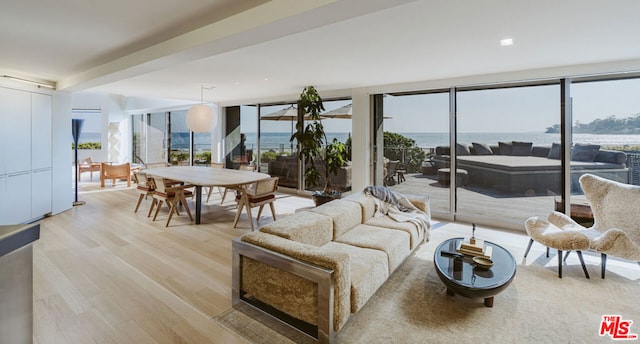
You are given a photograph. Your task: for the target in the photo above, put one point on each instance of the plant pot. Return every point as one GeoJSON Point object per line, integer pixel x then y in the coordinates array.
{"type": "Point", "coordinates": [321, 198]}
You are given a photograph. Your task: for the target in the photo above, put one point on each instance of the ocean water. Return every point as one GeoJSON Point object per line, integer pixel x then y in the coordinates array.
{"type": "Point", "coordinates": [280, 141]}
{"type": "Point", "coordinates": [431, 140]}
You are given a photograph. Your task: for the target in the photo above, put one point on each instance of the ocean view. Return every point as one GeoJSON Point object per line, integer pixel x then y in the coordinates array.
{"type": "Point", "coordinates": [280, 141]}
{"type": "Point", "coordinates": [431, 140]}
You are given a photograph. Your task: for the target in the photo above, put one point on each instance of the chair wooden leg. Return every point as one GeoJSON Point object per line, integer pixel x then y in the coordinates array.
{"type": "Point", "coordinates": [157, 209]}
{"type": "Point", "coordinates": [238, 211]}
{"type": "Point", "coordinates": [566, 255]}
{"type": "Point", "coordinates": [604, 264]}
{"type": "Point", "coordinates": [559, 263]}
{"type": "Point", "coordinates": [174, 208]}
{"type": "Point", "coordinates": [584, 267]}
{"type": "Point", "coordinates": [259, 212]}
{"type": "Point", "coordinates": [273, 213]}
{"type": "Point", "coordinates": [248, 206]}
{"type": "Point", "coordinates": [525, 252]}
{"type": "Point", "coordinates": [224, 195]}
{"type": "Point", "coordinates": [153, 204]}
{"type": "Point", "coordinates": [186, 206]}
{"type": "Point", "coordinates": [139, 201]}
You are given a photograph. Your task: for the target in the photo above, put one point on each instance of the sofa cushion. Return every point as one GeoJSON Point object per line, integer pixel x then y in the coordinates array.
{"type": "Point", "coordinates": [555, 152]}
{"type": "Point", "coordinates": [505, 148]}
{"type": "Point", "coordinates": [416, 235]}
{"type": "Point", "coordinates": [540, 151]}
{"type": "Point", "coordinates": [443, 150]}
{"type": "Point", "coordinates": [312, 228]}
{"type": "Point", "coordinates": [395, 243]}
{"type": "Point", "coordinates": [481, 149]}
{"type": "Point", "coordinates": [611, 156]}
{"type": "Point", "coordinates": [584, 152]}
{"type": "Point", "coordinates": [462, 149]}
{"type": "Point", "coordinates": [345, 215]}
{"type": "Point", "coordinates": [367, 203]}
{"type": "Point", "coordinates": [369, 270]}
{"type": "Point", "coordinates": [521, 148]}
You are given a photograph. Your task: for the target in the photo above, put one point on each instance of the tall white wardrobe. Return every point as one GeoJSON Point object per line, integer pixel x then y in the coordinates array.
{"type": "Point", "coordinates": [25, 155]}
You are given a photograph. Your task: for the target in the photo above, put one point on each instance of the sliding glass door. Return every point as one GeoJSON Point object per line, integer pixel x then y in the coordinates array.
{"type": "Point", "coordinates": [414, 125]}
{"type": "Point", "coordinates": [605, 133]}
{"type": "Point", "coordinates": [506, 168]}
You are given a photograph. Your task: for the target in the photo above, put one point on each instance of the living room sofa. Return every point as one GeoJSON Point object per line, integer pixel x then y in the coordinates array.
{"type": "Point", "coordinates": [520, 167]}
{"type": "Point", "coordinates": [314, 268]}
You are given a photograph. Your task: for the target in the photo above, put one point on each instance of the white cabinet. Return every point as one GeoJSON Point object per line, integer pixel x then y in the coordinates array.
{"type": "Point", "coordinates": [25, 155]}
{"type": "Point", "coordinates": [18, 206]}
{"type": "Point", "coordinates": [15, 108]}
{"type": "Point", "coordinates": [40, 193]}
{"type": "Point", "coordinates": [40, 131]}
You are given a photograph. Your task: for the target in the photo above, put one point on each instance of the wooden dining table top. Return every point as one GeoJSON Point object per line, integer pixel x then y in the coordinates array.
{"type": "Point", "coordinates": [207, 176]}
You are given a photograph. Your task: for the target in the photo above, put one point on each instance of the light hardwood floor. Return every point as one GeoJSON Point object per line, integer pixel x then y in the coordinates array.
{"type": "Point", "coordinates": [104, 274]}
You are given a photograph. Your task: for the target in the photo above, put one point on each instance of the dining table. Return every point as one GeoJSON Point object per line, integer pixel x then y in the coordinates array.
{"type": "Point", "coordinates": [200, 176]}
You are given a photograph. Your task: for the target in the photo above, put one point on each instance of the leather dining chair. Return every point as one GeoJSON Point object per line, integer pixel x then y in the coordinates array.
{"type": "Point", "coordinates": [145, 188]}
{"type": "Point", "coordinates": [173, 195]}
{"type": "Point", "coordinates": [257, 194]}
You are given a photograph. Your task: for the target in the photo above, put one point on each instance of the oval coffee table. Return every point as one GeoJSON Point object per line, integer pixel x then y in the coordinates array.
{"type": "Point", "coordinates": [461, 276]}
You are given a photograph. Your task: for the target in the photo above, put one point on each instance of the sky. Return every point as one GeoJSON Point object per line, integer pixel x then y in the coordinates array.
{"type": "Point", "coordinates": [523, 109]}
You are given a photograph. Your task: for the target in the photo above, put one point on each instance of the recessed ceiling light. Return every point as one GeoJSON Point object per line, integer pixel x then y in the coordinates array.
{"type": "Point", "coordinates": [506, 42]}
{"type": "Point", "coordinates": [266, 79]}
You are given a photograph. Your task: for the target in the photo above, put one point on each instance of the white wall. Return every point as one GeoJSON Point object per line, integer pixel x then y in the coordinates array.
{"type": "Point", "coordinates": [62, 154]}
{"type": "Point", "coordinates": [361, 162]}
{"type": "Point", "coordinates": [112, 110]}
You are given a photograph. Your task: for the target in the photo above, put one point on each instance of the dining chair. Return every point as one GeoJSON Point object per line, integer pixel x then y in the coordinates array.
{"type": "Point", "coordinates": [216, 165]}
{"type": "Point", "coordinates": [256, 194]}
{"type": "Point", "coordinates": [144, 187]}
{"type": "Point", "coordinates": [113, 172]}
{"type": "Point", "coordinates": [171, 194]}
{"type": "Point", "coordinates": [87, 165]}
{"type": "Point", "coordinates": [243, 167]}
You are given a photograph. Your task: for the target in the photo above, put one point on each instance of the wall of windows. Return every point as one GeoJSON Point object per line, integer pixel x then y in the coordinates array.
{"type": "Point", "coordinates": [277, 153]}
{"type": "Point", "coordinates": [605, 128]}
{"type": "Point", "coordinates": [502, 152]}
{"type": "Point", "coordinates": [91, 135]}
{"type": "Point", "coordinates": [414, 125]}
{"type": "Point", "coordinates": [507, 162]}
{"type": "Point", "coordinates": [149, 144]}
{"type": "Point", "coordinates": [163, 137]}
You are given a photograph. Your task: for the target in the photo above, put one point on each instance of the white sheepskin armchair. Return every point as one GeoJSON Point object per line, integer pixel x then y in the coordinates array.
{"type": "Point", "coordinates": [616, 210]}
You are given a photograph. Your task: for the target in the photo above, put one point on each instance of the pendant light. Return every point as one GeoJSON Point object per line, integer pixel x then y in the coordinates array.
{"type": "Point", "coordinates": [201, 118]}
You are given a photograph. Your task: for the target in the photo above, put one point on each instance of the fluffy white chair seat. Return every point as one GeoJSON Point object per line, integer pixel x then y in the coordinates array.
{"type": "Point", "coordinates": [616, 229]}
{"type": "Point", "coordinates": [565, 237]}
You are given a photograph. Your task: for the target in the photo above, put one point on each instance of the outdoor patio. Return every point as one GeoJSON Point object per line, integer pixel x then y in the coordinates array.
{"type": "Point", "coordinates": [479, 202]}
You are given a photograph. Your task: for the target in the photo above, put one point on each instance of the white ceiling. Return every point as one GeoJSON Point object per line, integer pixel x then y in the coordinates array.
{"type": "Point", "coordinates": [266, 49]}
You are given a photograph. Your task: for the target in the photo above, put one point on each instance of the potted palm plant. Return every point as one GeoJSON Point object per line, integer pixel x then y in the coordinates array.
{"type": "Point", "coordinates": [315, 149]}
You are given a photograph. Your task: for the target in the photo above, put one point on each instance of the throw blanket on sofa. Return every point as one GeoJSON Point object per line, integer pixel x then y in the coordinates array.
{"type": "Point", "coordinates": [398, 207]}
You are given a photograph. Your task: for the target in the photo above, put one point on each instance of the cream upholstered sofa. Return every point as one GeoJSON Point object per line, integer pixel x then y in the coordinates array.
{"type": "Point", "coordinates": [314, 268]}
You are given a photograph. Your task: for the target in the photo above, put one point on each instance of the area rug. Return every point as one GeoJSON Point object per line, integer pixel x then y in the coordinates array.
{"type": "Point", "coordinates": [413, 307]}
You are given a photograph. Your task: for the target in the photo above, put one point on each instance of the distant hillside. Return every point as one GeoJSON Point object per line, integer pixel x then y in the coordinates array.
{"type": "Point", "coordinates": [610, 125]}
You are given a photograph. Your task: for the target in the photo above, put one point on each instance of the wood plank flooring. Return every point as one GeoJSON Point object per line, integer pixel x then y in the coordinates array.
{"type": "Point", "coordinates": [104, 274]}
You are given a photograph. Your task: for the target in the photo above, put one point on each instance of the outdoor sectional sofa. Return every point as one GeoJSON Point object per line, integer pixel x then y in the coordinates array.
{"type": "Point", "coordinates": [314, 268]}
{"type": "Point", "coordinates": [286, 169]}
{"type": "Point", "coordinates": [522, 168]}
